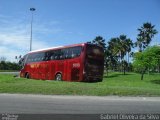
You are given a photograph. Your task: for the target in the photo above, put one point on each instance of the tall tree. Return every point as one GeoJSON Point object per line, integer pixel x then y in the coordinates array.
{"type": "Point", "coordinates": [123, 45]}
{"type": "Point", "coordinates": [119, 47]}
{"type": "Point", "coordinates": [129, 46]}
{"type": "Point", "coordinates": [146, 33]}
{"type": "Point", "coordinates": [113, 53]}
{"type": "Point", "coordinates": [99, 41]}
{"type": "Point", "coordinates": [123, 48]}
{"type": "Point", "coordinates": [146, 60]}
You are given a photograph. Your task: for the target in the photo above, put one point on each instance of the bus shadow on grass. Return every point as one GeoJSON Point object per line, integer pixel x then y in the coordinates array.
{"type": "Point", "coordinates": [156, 81]}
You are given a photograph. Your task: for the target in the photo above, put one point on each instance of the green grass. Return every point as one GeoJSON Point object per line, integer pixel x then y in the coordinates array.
{"type": "Point", "coordinates": [114, 84]}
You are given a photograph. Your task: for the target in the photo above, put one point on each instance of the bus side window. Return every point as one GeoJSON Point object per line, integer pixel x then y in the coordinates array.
{"type": "Point", "coordinates": [34, 57]}
{"type": "Point", "coordinates": [66, 53]}
{"type": "Point", "coordinates": [39, 56]}
{"type": "Point", "coordinates": [51, 55]}
{"type": "Point", "coordinates": [77, 51]}
{"type": "Point", "coordinates": [46, 56]}
{"type": "Point", "coordinates": [29, 59]}
{"type": "Point", "coordinates": [62, 54]}
{"type": "Point", "coordinates": [56, 56]}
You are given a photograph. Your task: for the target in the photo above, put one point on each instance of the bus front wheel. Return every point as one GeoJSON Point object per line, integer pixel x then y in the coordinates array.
{"type": "Point", "coordinates": [58, 77]}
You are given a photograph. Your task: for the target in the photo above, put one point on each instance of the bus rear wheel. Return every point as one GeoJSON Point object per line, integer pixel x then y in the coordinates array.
{"type": "Point", "coordinates": [27, 76]}
{"type": "Point", "coordinates": [58, 77]}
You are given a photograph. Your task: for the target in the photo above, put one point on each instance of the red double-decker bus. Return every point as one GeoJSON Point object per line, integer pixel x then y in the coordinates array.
{"type": "Point", "coordinates": [80, 62]}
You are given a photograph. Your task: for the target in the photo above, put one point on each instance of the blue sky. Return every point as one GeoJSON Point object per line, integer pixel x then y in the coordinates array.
{"type": "Point", "coordinates": [64, 22]}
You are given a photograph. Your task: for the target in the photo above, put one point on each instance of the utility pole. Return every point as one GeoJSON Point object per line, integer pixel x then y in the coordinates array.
{"type": "Point", "coordinates": [32, 10]}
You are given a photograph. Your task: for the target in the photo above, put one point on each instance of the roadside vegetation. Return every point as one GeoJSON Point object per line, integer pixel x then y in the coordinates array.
{"type": "Point", "coordinates": [113, 84]}
{"type": "Point", "coordinates": [120, 52]}
{"type": "Point", "coordinates": [6, 66]}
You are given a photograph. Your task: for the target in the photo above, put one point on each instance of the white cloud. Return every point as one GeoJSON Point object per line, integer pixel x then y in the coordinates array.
{"type": "Point", "coordinates": [8, 53]}
{"type": "Point", "coordinates": [15, 37]}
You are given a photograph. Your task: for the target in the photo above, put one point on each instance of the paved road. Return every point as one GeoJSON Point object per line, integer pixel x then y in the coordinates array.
{"type": "Point", "coordinates": [13, 73]}
{"type": "Point", "coordinates": [17, 103]}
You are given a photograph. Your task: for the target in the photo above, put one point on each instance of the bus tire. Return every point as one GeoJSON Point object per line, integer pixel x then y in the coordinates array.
{"type": "Point", "coordinates": [58, 77]}
{"type": "Point", "coordinates": [27, 76]}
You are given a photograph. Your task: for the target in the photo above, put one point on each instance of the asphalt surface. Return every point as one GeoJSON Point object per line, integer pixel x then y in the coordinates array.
{"type": "Point", "coordinates": [48, 104]}
{"type": "Point", "coordinates": [13, 73]}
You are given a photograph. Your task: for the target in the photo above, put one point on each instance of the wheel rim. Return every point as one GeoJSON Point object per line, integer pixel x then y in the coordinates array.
{"type": "Point", "coordinates": [58, 77]}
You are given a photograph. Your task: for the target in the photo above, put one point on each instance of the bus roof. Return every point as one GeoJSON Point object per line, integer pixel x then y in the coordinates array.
{"type": "Point", "coordinates": [45, 49]}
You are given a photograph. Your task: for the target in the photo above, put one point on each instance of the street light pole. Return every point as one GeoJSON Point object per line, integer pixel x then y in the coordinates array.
{"type": "Point", "coordinates": [31, 9]}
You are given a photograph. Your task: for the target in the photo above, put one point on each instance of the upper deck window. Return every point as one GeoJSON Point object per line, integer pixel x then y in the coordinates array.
{"type": "Point", "coordinates": [60, 54]}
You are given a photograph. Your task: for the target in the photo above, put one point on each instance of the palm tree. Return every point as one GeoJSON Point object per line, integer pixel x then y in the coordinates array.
{"type": "Point", "coordinates": [113, 52]}
{"type": "Point", "coordinates": [129, 45]}
{"type": "Point", "coordinates": [123, 45]}
{"type": "Point", "coordinates": [123, 48]}
{"type": "Point", "coordinates": [112, 46]}
{"type": "Point", "coordinates": [120, 47]}
{"type": "Point", "coordinates": [99, 41]}
{"type": "Point", "coordinates": [146, 33]}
